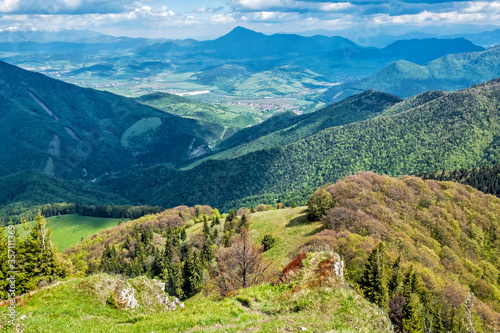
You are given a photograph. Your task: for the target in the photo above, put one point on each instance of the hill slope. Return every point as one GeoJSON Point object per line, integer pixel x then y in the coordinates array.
{"type": "Point", "coordinates": [73, 132]}
{"type": "Point", "coordinates": [447, 232]}
{"type": "Point", "coordinates": [404, 79]}
{"type": "Point", "coordinates": [435, 132]}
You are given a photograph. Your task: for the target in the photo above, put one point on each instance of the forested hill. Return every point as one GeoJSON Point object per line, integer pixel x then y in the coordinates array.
{"type": "Point", "coordinates": [438, 132]}
{"type": "Point", "coordinates": [287, 129]}
{"type": "Point", "coordinates": [403, 78]}
{"type": "Point", "coordinates": [73, 132]}
{"type": "Point", "coordinates": [485, 179]}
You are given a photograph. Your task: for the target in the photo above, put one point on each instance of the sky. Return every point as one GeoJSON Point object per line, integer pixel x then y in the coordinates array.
{"type": "Point", "coordinates": [208, 19]}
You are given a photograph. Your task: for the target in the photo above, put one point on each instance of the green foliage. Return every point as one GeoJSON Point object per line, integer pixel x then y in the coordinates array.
{"type": "Point", "coordinates": [374, 280]}
{"type": "Point", "coordinates": [268, 242]}
{"type": "Point", "coordinates": [406, 142]}
{"type": "Point", "coordinates": [319, 203]}
{"type": "Point", "coordinates": [405, 213]}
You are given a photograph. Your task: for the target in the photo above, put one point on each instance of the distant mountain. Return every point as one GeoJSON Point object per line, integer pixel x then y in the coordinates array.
{"type": "Point", "coordinates": [326, 55]}
{"type": "Point", "coordinates": [404, 79]}
{"type": "Point", "coordinates": [72, 132]}
{"type": "Point", "coordinates": [436, 132]}
{"type": "Point", "coordinates": [411, 50]}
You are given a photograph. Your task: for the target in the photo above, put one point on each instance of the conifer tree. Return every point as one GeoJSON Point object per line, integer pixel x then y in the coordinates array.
{"type": "Point", "coordinates": [411, 321]}
{"type": "Point", "coordinates": [206, 229]}
{"type": "Point", "coordinates": [374, 280]}
{"type": "Point", "coordinates": [215, 235]}
{"type": "Point", "coordinates": [231, 215]}
{"type": "Point", "coordinates": [207, 253]}
{"type": "Point", "coordinates": [4, 265]}
{"type": "Point", "coordinates": [243, 223]}
{"type": "Point", "coordinates": [177, 281]}
{"type": "Point", "coordinates": [396, 277]}
{"type": "Point", "coordinates": [183, 234]}
{"type": "Point", "coordinates": [192, 275]}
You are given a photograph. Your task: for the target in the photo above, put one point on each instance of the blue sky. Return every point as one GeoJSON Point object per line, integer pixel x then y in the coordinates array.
{"type": "Point", "coordinates": [208, 19]}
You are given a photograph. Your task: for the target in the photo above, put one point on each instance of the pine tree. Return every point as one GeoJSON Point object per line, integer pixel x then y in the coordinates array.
{"type": "Point", "coordinates": [437, 321]}
{"type": "Point", "coordinates": [41, 260]}
{"type": "Point", "coordinates": [215, 235]}
{"type": "Point", "coordinates": [207, 253]}
{"type": "Point", "coordinates": [4, 265]}
{"type": "Point", "coordinates": [206, 229]}
{"type": "Point", "coordinates": [244, 223]}
{"type": "Point", "coordinates": [109, 260]}
{"type": "Point", "coordinates": [231, 215]}
{"type": "Point", "coordinates": [177, 281]}
{"type": "Point", "coordinates": [183, 234]}
{"type": "Point", "coordinates": [396, 277]}
{"type": "Point", "coordinates": [411, 321]}
{"type": "Point", "coordinates": [192, 275]}
{"type": "Point", "coordinates": [374, 281]}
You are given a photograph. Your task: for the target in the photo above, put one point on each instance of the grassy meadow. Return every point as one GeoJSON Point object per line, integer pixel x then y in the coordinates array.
{"type": "Point", "coordinates": [67, 230]}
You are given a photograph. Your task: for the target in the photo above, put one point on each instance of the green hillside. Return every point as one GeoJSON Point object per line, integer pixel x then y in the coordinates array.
{"type": "Point", "coordinates": [403, 78]}
{"type": "Point", "coordinates": [79, 305]}
{"type": "Point", "coordinates": [68, 230]}
{"type": "Point", "coordinates": [446, 232]}
{"type": "Point", "coordinates": [448, 131]}
{"type": "Point", "coordinates": [208, 113]}
{"type": "Point", "coordinates": [72, 132]}
{"type": "Point", "coordinates": [286, 129]}
{"type": "Point", "coordinates": [22, 191]}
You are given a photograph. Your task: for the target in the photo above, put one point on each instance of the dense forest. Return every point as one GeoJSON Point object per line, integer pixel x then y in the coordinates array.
{"type": "Point", "coordinates": [425, 252]}
{"type": "Point", "coordinates": [485, 179]}
{"type": "Point", "coordinates": [425, 137]}
{"type": "Point", "coordinates": [416, 248]}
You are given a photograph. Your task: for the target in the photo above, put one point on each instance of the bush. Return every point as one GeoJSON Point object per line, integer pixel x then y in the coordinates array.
{"type": "Point", "coordinates": [268, 242]}
{"type": "Point", "coordinates": [319, 203]}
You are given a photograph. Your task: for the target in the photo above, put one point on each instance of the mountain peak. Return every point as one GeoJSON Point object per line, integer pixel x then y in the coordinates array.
{"type": "Point", "coordinates": [241, 32]}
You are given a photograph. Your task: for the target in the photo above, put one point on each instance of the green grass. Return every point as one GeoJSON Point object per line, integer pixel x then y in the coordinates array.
{"type": "Point", "coordinates": [67, 230]}
{"type": "Point", "coordinates": [290, 226]}
{"type": "Point", "coordinates": [78, 305]}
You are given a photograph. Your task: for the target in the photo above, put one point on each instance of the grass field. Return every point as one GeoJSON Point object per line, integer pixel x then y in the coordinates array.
{"type": "Point", "coordinates": [78, 305]}
{"type": "Point", "coordinates": [67, 230]}
{"type": "Point", "coordinates": [290, 226]}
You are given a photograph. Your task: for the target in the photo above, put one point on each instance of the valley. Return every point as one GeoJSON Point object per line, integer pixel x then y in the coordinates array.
{"type": "Point", "coordinates": [249, 182]}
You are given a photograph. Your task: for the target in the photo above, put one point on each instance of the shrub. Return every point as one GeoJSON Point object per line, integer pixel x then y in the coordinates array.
{"type": "Point", "coordinates": [268, 242]}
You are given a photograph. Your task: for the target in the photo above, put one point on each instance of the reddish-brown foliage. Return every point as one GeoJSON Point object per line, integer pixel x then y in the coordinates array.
{"type": "Point", "coordinates": [293, 266]}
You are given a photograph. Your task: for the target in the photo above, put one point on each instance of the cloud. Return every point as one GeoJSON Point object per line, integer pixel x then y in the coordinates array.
{"type": "Point", "coordinates": [222, 19]}
{"type": "Point", "coordinates": [204, 10]}
{"type": "Point", "coordinates": [62, 6]}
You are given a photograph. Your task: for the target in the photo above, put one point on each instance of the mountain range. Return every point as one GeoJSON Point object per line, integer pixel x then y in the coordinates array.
{"type": "Point", "coordinates": [432, 131]}
{"type": "Point", "coordinates": [403, 78]}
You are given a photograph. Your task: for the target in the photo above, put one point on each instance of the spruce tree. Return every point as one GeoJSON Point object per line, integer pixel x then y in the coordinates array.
{"type": "Point", "coordinates": [191, 274]}
{"type": "Point", "coordinates": [411, 321]}
{"type": "Point", "coordinates": [177, 281]}
{"type": "Point", "coordinates": [374, 280]}
{"type": "Point", "coordinates": [396, 277]}
{"type": "Point", "coordinates": [206, 229]}
{"type": "Point", "coordinates": [207, 253]}
{"type": "Point", "coordinates": [183, 234]}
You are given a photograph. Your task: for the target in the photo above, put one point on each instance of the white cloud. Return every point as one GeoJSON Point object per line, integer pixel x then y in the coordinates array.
{"type": "Point", "coordinates": [223, 19]}
{"type": "Point", "coordinates": [335, 6]}
{"type": "Point", "coordinates": [7, 6]}
{"type": "Point", "coordinates": [261, 4]}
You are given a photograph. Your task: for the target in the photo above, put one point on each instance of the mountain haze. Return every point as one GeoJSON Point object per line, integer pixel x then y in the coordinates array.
{"type": "Point", "coordinates": [403, 78]}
